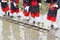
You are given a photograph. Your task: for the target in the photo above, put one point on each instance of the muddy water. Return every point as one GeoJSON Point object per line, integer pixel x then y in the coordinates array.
{"type": "Point", "coordinates": [6, 30]}
{"type": "Point", "coordinates": [13, 31]}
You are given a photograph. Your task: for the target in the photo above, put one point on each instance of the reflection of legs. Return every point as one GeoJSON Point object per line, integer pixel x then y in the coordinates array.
{"type": "Point", "coordinates": [11, 32]}
{"type": "Point", "coordinates": [1, 29]}
{"type": "Point", "coordinates": [22, 34]}
{"type": "Point", "coordinates": [6, 31]}
{"type": "Point", "coordinates": [16, 31]}
{"type": "Point", "coordinates": [57, 33]}
{"type": "Point", "coordinates": [51, 34]}
{"type": "Point", "coordinates": [42, 35]}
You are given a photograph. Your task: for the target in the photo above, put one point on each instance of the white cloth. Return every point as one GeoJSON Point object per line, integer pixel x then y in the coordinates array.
{"type": "Point", "coordinates": [14, 4]}
{"type": "Point", "coordinates": [27, 8]}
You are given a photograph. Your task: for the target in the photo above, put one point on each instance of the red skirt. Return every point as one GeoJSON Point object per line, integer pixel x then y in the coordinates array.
{"type": "Point", "coordinates": [4, 6]}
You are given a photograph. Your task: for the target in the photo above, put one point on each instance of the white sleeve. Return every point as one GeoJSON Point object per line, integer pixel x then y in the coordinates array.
{"type": "Point", "coordinates": [14, 4]}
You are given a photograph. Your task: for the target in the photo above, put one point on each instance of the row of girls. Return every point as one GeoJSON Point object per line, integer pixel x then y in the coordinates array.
{"type": "Point", "coordinates": [32, 9]}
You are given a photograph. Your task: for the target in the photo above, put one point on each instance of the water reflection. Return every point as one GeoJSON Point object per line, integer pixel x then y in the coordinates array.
{"type": "Point", "coordinates": [11, 31]}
